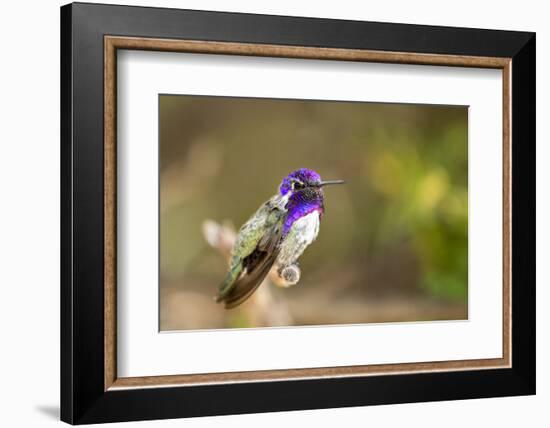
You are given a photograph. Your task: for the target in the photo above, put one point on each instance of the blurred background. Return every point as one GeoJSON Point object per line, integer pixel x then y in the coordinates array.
{"type": "Point", "coordinates": [393, 244]}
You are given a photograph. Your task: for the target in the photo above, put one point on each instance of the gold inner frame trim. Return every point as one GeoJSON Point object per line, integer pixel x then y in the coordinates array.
{"type": "Point", "coordinates": [113, 43]}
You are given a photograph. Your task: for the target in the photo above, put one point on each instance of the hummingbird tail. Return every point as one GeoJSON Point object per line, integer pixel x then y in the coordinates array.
{"type": "Point", "coordinates": [228, 282]}
{"type": "Point", "coordinates": [247, 283]}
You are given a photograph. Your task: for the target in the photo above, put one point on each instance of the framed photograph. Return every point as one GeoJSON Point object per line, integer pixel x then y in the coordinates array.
{"type": "Point", "coordinates": [266, 213]}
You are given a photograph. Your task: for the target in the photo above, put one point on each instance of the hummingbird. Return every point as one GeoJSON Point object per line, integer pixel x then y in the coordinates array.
{"type": "Point", "coordinates": [276, 235]}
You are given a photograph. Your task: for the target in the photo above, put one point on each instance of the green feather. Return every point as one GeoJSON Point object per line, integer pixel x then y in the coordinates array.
{"type": "Point", "coordinates": [259, 235]}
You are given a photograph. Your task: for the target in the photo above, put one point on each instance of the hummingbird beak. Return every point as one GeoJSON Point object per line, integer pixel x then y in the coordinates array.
{"type": "Point", "coordinates": [327, 182]}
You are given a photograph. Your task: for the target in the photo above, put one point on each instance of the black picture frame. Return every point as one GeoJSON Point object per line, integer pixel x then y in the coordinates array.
{"type": "Point", "coordinates": [83, 396]}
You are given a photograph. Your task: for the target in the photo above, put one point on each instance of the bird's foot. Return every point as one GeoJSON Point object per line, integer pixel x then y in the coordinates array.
{"type": "Point", "coordinates": [290, 275]}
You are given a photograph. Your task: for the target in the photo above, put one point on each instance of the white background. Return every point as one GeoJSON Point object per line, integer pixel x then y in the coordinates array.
{"type": "Point", "coordinates": [29, 219]}
{"type": "Point", "coordinates": [142, 351]}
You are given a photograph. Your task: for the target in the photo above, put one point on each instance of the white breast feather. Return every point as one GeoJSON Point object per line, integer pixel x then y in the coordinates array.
{"type": "Point", "coordinates": [302, 233]}
{"type": "Point", "coordinates": [309, 226]}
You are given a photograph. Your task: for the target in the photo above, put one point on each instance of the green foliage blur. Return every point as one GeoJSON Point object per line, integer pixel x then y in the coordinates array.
{"type": "Point", "coordinates": [398, 228]}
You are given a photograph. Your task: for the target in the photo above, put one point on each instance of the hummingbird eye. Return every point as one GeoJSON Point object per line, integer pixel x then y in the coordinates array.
{"type": "Point", "coordinates": [297, 185]}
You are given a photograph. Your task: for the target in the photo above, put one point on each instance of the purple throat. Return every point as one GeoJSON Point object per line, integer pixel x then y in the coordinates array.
{"type": "Point", "coordinates": [299, 210]}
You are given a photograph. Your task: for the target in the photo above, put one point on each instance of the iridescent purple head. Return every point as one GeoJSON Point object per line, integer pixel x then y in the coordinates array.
{"type": "Point", "coordinates": [299, 179]}
{"type": "Point", "coordinates": [304, 189]}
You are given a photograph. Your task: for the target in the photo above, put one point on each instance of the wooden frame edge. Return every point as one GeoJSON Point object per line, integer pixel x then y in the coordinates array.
{"type": "Point", "coordinates": [507, 213]}
{"type": "Point", "coordinates": [109, 176]}
{"type": "Point", "coordinates": [112, 43]}
{"type": "Point", "coordinates": [301, 52]}
{"type": "Point", "coordinates": [298, 374]}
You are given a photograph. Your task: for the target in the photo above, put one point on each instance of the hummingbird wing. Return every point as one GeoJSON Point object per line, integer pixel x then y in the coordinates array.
{"type": "Point", "coordinates": [256, 266]}
{"type": "Point", "coordinates": [254, 254]}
